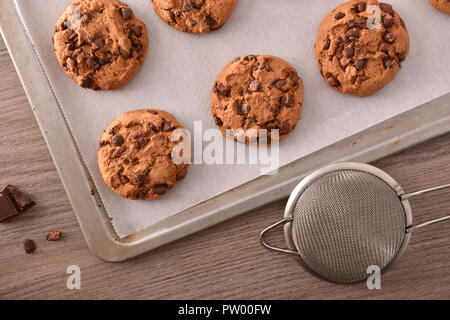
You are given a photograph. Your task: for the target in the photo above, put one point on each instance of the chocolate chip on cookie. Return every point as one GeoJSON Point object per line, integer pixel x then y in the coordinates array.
{"type": "Point", "coordinates": [100, 44]}
{"type": "Point", "coordinates": [441, 5]}
{"type": "Point", "coordinates": [195, 16]}
{"type": "Point", "coordinates": [257, 92]}
{"type": "Point", "coordinates": [360, 49]}
{"type": "Point", "coordinates": [134, 156]}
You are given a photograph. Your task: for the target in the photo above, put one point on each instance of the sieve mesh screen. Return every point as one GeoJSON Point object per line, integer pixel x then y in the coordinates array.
{"type": "Point", "coordinates": [346, 221]}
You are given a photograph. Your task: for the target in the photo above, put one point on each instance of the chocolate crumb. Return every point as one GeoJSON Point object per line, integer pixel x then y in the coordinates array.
{"type": "Point", "coordinates": [28, 245]}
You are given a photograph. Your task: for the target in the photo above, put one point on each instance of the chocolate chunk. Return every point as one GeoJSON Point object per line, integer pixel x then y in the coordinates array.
{"type": "Point", "coordinates": [388, 22]}
{"type": "Point", "coordinates": [361, 79]}
{"type": "Point", "coordinates": [28, 245]}
{"type": "Point", "coordinates": [352, 33]}
{"type": "Point", "coordinates": [152, 127]}
{"type": "Point", "coordinates": [100, 43]}
{"type": "Point", "coordinates": [274, 108]}
{"type": "Point", "coordinates": [54, 235]}
{"type": "Point", "coordinates": [86, 82]}
{"type": "Point", "coordinates": [187, 5]}
{"type": "Point", "coordinates": [344, 62]}
{"type": "Point", "coordinates": [152, 112]}
{"type": "Point", "coordinates": [327, 44]}
{"type": "Point", "coordinates": [360, 64]}
{"type": "Point", "coordinates": [160, 189]}
{"type": "Point", "coordinates": [244, 109]}
{"type": "Point", "coordinates": [77, 52]}
{"type": "Point", "coordinates": [210, 22]}
{"type": "Point", "coordinates": [7, 208]}
{"type": "Point", "coordinates": [361, 7]}
{"type": "Point", "coordinates": [137, 30]}
{"type": "Point", "coordinates": [224, 90]}
{"type": "Point", "coordinates": [92, 62]}
{"type": "Point", "coordinates": [118, 140]}
{"type": "Point", "coordinates": [13, 202]}
{"type": "Point", "coordinates": [140, 142]}
{"type": "Point", "coordinates": [182, 174]}
{"type": "Point", "coordinates": [288, 102]}
{"type": "Point", "coordinates": [271, 125]}
{"type": "Point", "coordinates": [339, 15]}
{"type": "Point", "coordinates": [85, 19]}
{"type": "Point", "coordinates": [387, 8]}
{"type": "Point", "coordinates": [166, 126]}
{"type": "Point", "coordinates": [198, 3]}
{"type": "Point", "coordinates": [104, 59]}
{"type": "Point", "coordinates": [218, 121]}
{"type": "Point", "coordinates": [279, 84]}
{"type": "Point", "coordinates": [138, 45]}
{"type": "Point", "coordinates": [334, 82]}
{"type": "Point", "coordinates": [383, 47]}
{"type": "Point", "coordinates": [268, 67]}
{"type": "Point", "coordinates": [142, 179]}
{"type": "Point", "coordinates": [401, 56]}
{"type": "Point", "coordinates": [349, 52]}
{"type": "Point", "coordinates": [387, 62]}
{"type": "Point", "coordinates": [124, 179]}
{"type": "Point", "coordinates": [285, 127]}
{"type": "Point", "coordinates": [117, 152]}
{"type": "Point", "coordinates": [126, 13]}
{"type": "Point", "coordinates": [389, 37]}
{"type": "Point", "coordinates": [192, 22]}
{"type": "Point", "coordinates": [173, 18]}
{"type": "Point", "coordinates": [255, 86]}
{"type": "Point", "coordinates": [126, 54]}
{"type": "Point", "coordinates": [70, 46]}
{"type": "Point", "coordinates": [359, 25]}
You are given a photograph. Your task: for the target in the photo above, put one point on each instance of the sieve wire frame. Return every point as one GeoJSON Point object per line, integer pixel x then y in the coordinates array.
{"type": "Point", "coordinates": [314, 176]}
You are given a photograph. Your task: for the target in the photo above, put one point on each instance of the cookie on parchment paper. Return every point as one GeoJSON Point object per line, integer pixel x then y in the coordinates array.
{"type": "Point", "coordinates": [441, 5]}
{"type": "Point", "coordinates": [100, 44]}
{"type": "Point", "coordinates": [134, 156]}
{"type": "Point", "coordinates": [257, 92]}
{"type": "Point", "coordinates": [195, 16]}
{"type": "Point", "coordinates": [360, 47]}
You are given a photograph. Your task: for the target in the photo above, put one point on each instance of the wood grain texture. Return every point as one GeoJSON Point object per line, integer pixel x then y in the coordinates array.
{"type": "Point", "coordinates": [223, 262]}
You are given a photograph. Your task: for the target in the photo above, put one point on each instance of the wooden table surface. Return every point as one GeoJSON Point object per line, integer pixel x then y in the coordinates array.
{"type": "Point", "coordinates": [223, 262]}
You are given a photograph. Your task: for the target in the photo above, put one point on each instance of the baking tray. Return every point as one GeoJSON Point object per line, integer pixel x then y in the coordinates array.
{"type": "Point", "coordinates": [417, 125]}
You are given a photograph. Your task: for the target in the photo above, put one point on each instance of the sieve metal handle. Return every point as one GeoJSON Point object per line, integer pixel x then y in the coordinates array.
{"type": "Point", "coordinates": [425, 224]}
{"type": "Point", "coordinates": [268, 246]}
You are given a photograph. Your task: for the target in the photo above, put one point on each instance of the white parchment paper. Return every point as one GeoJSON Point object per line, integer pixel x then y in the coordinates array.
{"type": "Point", "coordinates": [181, 68]}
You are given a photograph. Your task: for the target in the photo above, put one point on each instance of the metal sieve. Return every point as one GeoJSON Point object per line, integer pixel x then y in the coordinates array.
{"type": "Point", "coordinates": [345, 217]}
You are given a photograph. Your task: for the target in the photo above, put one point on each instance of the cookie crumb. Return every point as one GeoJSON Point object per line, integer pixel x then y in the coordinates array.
{"type": "Point", "coordinates": [54, 235]}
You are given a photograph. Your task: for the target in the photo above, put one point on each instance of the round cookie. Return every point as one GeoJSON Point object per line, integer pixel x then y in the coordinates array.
{"type": "Point", "coordinates": [441, 5]}
{"type": "Point", "coordinates": [195, 16]}
{"type": "Point", "coordinates": [360, 47]}
{"type": "Point", "coordinates": [257, 92]}
{"type": "Point", "coordinates": [134, 156]}
{"type": "Point", "coordinates": [100, 44]}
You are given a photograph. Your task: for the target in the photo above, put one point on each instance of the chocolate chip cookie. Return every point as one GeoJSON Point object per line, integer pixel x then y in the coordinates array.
{"type": "Point", "coordinates": [441, 5]}
{"type": "Point", "coordinates": [100, 43]}
{"type": "Point", "coordinates": [360, 47]}
{"type": "Point", "coordinates": [195, 16]}
{"type": "Point", "coordinates": [257, 92]}
{"type": "Point", "coordinates": [134, 156]}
